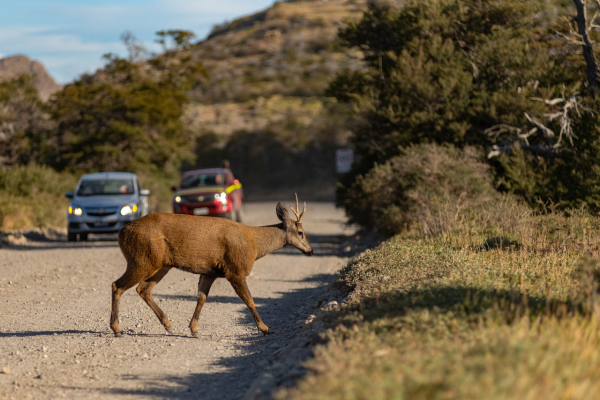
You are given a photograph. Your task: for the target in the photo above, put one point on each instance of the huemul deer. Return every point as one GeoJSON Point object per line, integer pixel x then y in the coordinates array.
{"type": "Point", "coordinates": [211, 247]}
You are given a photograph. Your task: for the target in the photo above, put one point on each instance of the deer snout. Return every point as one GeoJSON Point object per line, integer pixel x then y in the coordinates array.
{"type": "Point", "coordinates": [309, 252]}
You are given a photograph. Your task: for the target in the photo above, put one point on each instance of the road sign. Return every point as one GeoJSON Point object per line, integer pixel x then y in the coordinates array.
{"type": "Point", "coordinates": [343, 160]}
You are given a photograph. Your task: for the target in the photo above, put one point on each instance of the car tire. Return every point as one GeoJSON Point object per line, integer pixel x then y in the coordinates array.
{"type": "Point", "coordinates": [83, 236]}
{"type": "Point", "coordinates": [71, 237]}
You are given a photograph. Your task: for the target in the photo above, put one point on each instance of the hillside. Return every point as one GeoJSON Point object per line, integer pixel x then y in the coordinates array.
{"type": "Point", "coordinates": [285, 55]}
{"type": "Point", "coordinates": [11, 67]}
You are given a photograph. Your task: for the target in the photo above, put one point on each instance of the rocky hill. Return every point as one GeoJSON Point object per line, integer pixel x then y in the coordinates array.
{"type": "Point", "coordinates": [263, 105]}
{"type": "Point", "coordinates": [11, 67]}
{"type": "Point", "coordinates": [272, 64]}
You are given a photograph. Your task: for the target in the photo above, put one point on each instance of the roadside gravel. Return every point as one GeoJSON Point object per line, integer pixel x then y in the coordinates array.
{"type": "Point", "coordinates": [55, 306]}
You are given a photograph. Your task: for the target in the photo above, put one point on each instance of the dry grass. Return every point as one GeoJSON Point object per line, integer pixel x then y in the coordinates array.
{"type": "Point", "coordinates": [255, 114]}
{"type": "Point", "coordinates": [33, 196]}
{"type": "Point", "coordinates": [499, 305]}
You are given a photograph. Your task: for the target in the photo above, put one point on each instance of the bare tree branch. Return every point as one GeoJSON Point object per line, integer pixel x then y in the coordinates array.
{"type": "Point", "coordinates": [573, 39]}
{"type": "Point", "coordinates": [552, 102]}
{"type": "Point", "coordinates": [543, 127]}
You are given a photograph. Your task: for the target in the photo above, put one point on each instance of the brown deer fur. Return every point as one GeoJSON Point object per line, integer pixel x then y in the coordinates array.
{"type": "Point", "coordinates": [211, 247]}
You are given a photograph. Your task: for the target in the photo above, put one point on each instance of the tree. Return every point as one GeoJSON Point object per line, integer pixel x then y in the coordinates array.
{"type": "Point", "coordinates": [23, 125]}
{"type": "Point", "coordinates": [127, 116]}
{"type": "Point", "coordinates": [491, 74]}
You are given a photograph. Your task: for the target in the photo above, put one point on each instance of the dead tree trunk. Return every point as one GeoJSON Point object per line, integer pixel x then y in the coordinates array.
{"type": "Point", "coordinates": [588, 50]}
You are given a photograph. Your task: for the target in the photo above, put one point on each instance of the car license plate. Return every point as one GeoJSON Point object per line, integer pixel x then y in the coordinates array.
{"type": "Point", "coordinates": [101, 224]}
{"type": "Point", "coordinates": [201, 211]}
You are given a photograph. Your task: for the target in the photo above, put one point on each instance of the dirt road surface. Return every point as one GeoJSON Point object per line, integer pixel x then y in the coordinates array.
{"type": "Point", "coordinates": [55, 340]}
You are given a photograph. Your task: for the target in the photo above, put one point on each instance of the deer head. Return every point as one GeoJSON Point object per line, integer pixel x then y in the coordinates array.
{"type": "Point", "coordinates": [294, 232]}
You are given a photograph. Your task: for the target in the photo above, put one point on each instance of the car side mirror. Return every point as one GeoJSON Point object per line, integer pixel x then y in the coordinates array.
{"type": "Point", "coordinates": [69, 195]}
{"type": "Point", "coordinates": [174, 188]}
{"type": "Point", "coordinates": [144, 192]}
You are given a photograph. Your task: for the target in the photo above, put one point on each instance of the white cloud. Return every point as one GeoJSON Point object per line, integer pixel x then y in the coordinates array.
{"type": "Point", "coordinates": [42, 40]}
{"type": "Point", "coordinates": [64, 56]}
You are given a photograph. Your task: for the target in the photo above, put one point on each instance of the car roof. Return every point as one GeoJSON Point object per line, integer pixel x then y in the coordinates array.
{"type": "Point", "coordinates": [109, 175]}
{"type": "Point", "coordinates": [206, 171]}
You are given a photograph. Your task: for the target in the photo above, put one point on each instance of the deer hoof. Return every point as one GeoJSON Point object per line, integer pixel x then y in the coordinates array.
{"type": "Point", "coordinates": [169, 330]}
{"type": "Point", "coordinates": [196, 335]}
{"type": "Point", "coordinates": [118, 334]}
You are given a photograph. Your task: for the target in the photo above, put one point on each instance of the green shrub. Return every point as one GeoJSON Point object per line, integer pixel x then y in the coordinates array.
{"type": "Point", "coordinates": [32, 196]}
{"type": "Point", "coordinates": [426, 180]}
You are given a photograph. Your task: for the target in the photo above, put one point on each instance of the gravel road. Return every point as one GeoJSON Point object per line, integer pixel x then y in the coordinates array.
{"type": "Point", "coordinates": [55, 339]}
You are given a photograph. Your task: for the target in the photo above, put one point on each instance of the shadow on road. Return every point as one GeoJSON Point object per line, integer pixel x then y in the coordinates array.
{"type": "Point", "coordinates": [281, 314]}
{"type": "Point", "coordinates": [56, 244]}
{"type": "Point", "coordinates": [228, 378]}
{"type": "Point", "coordinates": [47, 333]}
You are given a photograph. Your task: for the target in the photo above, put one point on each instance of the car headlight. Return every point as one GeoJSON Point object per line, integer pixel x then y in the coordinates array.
{"type": "Point", "coordinates": [222, 197]}
{"type": "Point", "coordinates": [177, 199]}
{"type": "Point", "coordinates": [129, 209]}
{"type": "Point", "coordinates": [75, 210]}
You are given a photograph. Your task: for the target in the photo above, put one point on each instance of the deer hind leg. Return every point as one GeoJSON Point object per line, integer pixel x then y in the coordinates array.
{"type": "Point", "coordinates": [204, 284]}
{"type": "Point", "coordinates": [145, 288]}
{"type": "Point", "coordinates": [125, 282]}
{"type": "Point", "coordinates": [241, 288]}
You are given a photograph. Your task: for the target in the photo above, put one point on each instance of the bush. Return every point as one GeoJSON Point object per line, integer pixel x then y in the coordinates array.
{"type": "Point", "coordinates": [33, 196]}
{"type": "Point", "coordinates": [423, 182]}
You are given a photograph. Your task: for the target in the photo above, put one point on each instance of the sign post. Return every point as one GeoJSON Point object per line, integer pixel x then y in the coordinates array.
{"type": "Point", "coordinates": [343, 160]}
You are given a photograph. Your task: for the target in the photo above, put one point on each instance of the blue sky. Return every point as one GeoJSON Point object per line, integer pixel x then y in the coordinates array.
{"type": "Point", "coordinates": [69, 37]}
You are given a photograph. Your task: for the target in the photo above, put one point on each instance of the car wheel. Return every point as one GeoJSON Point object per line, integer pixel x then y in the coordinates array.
{"type": "Point", "coordinates": [83, 236]}
{"type": "Point", "coordinates": [71, 237]}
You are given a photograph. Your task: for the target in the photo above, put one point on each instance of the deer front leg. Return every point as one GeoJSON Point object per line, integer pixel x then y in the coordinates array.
{"type": "Point", "coordinates": [204, 284]}
{"type": "Point", "coordinates": [145, 288]}
{"type": "Point", "coordinates": [241, 288]}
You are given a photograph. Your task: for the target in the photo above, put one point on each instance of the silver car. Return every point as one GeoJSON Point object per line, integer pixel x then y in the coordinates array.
{"type": "Point", "coordinates": [104, 203]}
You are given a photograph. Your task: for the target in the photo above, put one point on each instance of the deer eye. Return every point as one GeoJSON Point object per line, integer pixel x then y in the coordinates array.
{"type": "Point", "coordinates": [301, 234]}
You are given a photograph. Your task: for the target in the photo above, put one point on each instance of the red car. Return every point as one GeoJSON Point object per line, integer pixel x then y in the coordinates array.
{"type": "Point", "coordinates": [213, 191]}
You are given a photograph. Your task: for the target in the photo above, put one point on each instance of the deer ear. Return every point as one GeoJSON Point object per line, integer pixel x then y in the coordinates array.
{"type": "Point", "coordinates": [282, 212]}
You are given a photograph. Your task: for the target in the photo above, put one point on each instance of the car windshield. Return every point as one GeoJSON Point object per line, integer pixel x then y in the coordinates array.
{"type": "Point", "coordinates": [103, 187]}
{"type": "Point", "coordinates": [197, 180]}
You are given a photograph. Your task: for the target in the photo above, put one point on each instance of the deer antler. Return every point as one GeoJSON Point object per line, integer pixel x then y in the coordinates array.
{"type": "Point", "coordinates": [298, 216]}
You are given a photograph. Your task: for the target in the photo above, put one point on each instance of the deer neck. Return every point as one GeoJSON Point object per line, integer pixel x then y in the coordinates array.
{"type": "Point", "coordinates": [268, 239]}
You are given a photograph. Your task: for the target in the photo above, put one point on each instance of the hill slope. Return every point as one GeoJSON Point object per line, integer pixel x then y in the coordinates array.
{"type": "Point", "coordinates": [11, 67]}
{"type": "Point", "coordinates": [286, 52]}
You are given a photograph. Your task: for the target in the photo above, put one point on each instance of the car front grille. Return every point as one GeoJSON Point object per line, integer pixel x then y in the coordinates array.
{"type": "Point", "coordinates": [196, 199]}
{"type": "Point", "coordinates": [101, 224]}
{"type": "Point", "coordinates": [101, 211]}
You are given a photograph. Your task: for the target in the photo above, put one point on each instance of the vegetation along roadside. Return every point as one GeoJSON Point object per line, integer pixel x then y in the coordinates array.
{"type": "Point", "coordinates": [504, 309]}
